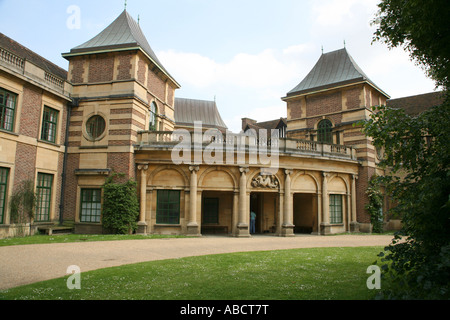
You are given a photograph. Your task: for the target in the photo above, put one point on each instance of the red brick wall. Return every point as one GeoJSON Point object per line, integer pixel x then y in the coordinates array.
{"type": "Point", "coordinates": [70, 192]}
{"type": "Point", "coordinates": [155, 85]}
{"type": "Point", "coordinates": [122, 163]}
{"type": "Point", "coordinates": [323, 104]}
{"type": "Point", "coordinates": [101, 68]}
{"type": "Point", "coordinates": [295, 108]}
{"type": "Point", "coordinates": [364, 175]}
{"type": "Point", "coordinates": [25, 163]}
{"type": "Point", "coordinates": [353, 96]}
{"type": "Point", "coordinates": [142, 68]}
{"type": "Point", "coordinates": [124, 67]}
{"type": "Point", "coordinates": [77, 71]}
{"type": "Point", "coordinates": [31, 111]}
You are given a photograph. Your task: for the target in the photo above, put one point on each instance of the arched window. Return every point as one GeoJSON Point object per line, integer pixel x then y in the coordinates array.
{"type": "Point", "coordinates": [153, 117]}
{"type": "Point", "coordinates": [324, 132]}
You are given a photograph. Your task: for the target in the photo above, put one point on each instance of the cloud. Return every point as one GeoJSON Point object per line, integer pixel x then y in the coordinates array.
{"type": "Point", "coordinates": [338, 13]}
{"type": "Point", "coordinates": [262, 70]}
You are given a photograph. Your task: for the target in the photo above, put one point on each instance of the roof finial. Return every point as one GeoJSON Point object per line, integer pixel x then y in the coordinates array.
{"type": "Point", "coordinates": [322, 49]}
{"type": "Point", "coordinates": [125, 4]}
{"type": "Point", "coordinates": [139, 19]}
{"type": "Point", "coordinates": [344, 43]}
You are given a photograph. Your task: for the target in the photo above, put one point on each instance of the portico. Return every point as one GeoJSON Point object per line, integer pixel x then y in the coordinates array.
{"type": "Point", "coordinates": [193, 199]}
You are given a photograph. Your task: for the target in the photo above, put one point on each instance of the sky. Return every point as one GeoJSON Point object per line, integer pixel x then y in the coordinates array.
{"type": "Point", "coordinates": [244, 54]}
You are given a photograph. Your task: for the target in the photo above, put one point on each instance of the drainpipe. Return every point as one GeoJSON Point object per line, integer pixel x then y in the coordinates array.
{"type": "Point", "coordinates": [63, 175]}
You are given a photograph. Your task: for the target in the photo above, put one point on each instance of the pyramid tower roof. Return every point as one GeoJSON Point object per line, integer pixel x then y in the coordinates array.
{"type": "Point", "coordinates": [333, 69]}
{"type": "Point", "coordinates": [122, 34]}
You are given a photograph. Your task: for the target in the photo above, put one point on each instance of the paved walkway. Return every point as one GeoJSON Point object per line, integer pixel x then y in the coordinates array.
{"type": "Point", "coordinates": [20, 265]}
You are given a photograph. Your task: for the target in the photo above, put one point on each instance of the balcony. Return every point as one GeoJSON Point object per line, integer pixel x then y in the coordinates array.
{"type": "Point", "coordinates": [231, 142]}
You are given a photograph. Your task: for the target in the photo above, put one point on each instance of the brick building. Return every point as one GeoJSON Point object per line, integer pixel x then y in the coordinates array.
{"type": "Point", "coordinates": [115, 110]}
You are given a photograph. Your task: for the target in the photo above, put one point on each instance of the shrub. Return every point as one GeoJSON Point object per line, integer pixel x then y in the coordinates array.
{"type": "Point", "coordinates": [120, 206]}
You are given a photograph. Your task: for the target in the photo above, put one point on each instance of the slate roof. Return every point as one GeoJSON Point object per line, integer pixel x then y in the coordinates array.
{"type": "Point", "coordinates": [124, 33]}
{"type": "Point", "coordinates": [25, 53]}
{"type": "Point", "coordinates": [333, 69]}
{"type": "Point", "coordinates": [414, 105]}
{"type": "Point", "coordinates": [187, 111]}
{"type": "Point", "coordinates": [268, 125]}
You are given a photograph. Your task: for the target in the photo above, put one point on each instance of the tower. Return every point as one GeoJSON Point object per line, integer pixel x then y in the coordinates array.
{"type": "Point", "coordinates": [119, 88]}
{"type": "Point", "coordinates": [326, 106]}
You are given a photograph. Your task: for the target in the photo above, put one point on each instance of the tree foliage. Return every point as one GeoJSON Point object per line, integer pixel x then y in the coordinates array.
{"type": "Point", "coordinates": [375, 204]}
{"type": "Point", "coordinates": [23, 202]}
{"type": "Point", "coordinates": [417, 154]}
{"type": "Point", "coordinates": [120, 206]}
{"type": "Point", "coordinates": [422, 28]}
{"type": "Point", "coordinates": [416, 159]}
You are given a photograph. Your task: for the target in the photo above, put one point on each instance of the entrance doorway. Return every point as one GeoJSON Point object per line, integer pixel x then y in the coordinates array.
{"type": "Point", "coordinates": [305, 213]}
{"type": "Point", "coordinates": [217, 209]}
{"type": "Point", "coordinates": [264, 204]}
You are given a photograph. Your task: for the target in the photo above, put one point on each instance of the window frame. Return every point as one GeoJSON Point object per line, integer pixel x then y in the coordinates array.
{"type": "Point", "coordinates": [325, 131]}
{"type": "Point", "coordinates": [94, 212]}
{"type": "Point", "coordinates": [48, 126]}
{"type": "Point", "coordinates": [7, 126]}
{"type": "Point", "coordinates": [4, 176]}
{"type": "Point", "coordinates": [44, 191]}
{"type": "Point", "coordinates": [153, 121]}
{"type": "Point", "coordinates": [336, 209]}
{"type": "Point", "coordinates": [89, 127]}
{"type": "Point", "coordinates": [165, 206]}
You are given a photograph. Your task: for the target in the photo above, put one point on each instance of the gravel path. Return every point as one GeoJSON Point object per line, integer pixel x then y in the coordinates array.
{"type": "Point", "coordinates": [21, 265]}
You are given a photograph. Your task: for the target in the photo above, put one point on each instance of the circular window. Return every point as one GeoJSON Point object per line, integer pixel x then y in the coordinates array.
{"type": "Point", "coordinates": [95, 127]}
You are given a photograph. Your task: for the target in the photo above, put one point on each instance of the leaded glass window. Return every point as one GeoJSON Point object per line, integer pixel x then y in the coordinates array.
{"type": "Point", "coordinates": [168, 207]}
{"type": "Point", "coordinates": [91, 205]}
{"type": "Point", "coordinates": [325, 132]}
{"type": "Point", "coordinates": [7, 109]}
{"type": "Point", "coordinates": [49, 124]}
{"type": "Point", "coordinates": [4, 172]}
{"type": "Point", "coordinates": [43, 197]}
{"type": "Point", "coordinates": [336, 208]}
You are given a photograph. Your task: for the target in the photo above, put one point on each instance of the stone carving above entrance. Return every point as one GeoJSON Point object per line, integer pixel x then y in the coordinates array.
{"type": "Point", "coordinates": [265, 181]}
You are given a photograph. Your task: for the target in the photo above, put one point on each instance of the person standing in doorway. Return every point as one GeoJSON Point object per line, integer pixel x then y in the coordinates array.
{"type": "Point", "coordinates": [252, 222]}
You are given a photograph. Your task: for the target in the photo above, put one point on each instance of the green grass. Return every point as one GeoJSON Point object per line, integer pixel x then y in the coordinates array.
{"type": "Point", "coordinates": [298, 274]}
{"type": "Point", "coordinates": [44, 239]}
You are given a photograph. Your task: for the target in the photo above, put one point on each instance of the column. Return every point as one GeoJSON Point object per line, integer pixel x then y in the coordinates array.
{"type": "Point", "coordinates": [142, 224]}
{"type": "Point", "coordinates": [325, 226]}
{"type": "Point", "coordinates": [287, 227]}
{"type": "Point", "coordinates": [192, 226]}
{"type": "Point", "coordinates": [354, 226]}
{"type": "Point", "coordinates": [243, 227]}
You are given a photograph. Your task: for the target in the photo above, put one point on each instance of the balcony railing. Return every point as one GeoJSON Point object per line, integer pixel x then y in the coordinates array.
{"type": "Point", "coordinates": [28, 69]}
{"type": "Point", "coordinates": [242, 142]}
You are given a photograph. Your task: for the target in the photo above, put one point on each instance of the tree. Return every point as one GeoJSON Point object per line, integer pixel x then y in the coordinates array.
{"type": "Point", "coordinates": [420, 27]}
{"type": "Point", "coordinates": [120, 206]}
{"type": "Point", "coordinates": [417, 154]}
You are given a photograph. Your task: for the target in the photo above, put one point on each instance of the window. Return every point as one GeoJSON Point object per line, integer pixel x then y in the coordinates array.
{"type": "Point", "coordinates": [168, 207]}
{"type": "Point", "coordinates": [49, 124]}
{"type": "Point", "coordinates": [91, 205]}
{"type": "Point", "coordinates": [7, 109]}
{"type": "Point", "coordinates": [4, 172]}
{"type": "Point", "coordinates": [153, 117]}
{"type": "Point", "coordinates": [210, 210]}
{"type": "Point", "coordinates": [335, 208]}
{"type": "Point", "coordinates": [324, 132]}
{"type": "Point", "coordinates": [95, 127]}
{"type": "Point", "coordinates": [43, 196]}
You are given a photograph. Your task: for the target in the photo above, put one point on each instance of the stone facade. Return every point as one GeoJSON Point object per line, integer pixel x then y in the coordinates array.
{"type": "Point", "coordinates": [114, 111]}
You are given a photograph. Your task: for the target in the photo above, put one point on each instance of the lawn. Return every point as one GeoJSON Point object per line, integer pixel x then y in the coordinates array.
{"type": "Point", "coordinates": [44, 239]}
{"type": "Point", "coordinates": [299, 274]}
